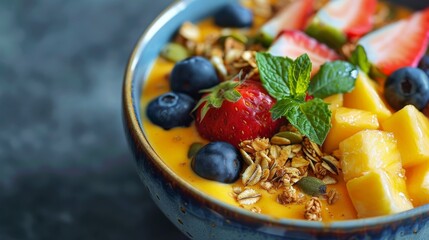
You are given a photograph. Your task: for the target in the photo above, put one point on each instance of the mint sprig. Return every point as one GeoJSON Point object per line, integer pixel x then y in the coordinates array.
{"type": "Point", "coordinates": [360, 59]}
{"type": "Point", "coordinates": [332, 78]}
{"type": "Point", "coordinates": [287, 80]}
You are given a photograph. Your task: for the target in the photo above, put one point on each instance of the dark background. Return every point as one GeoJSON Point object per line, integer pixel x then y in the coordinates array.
{"type": "Point", "coordinates": [65, 169]}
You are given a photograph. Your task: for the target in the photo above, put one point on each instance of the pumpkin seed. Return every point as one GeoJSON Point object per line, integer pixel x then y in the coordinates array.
{"type": "Point", "coordinates": [194, 148]}
{"type": "Point", "coordinates": [312, 186]}
{"type": "Point", "coordinates": [174, 52]}
{"type": "Point", "coordinates": [293, 137]}
{"type": "Point", "coordinates": [236, 36]}
{"type": "Point", "coordinates": [280, 140]}
{"type": "Point", "coordinates": [331, 164]}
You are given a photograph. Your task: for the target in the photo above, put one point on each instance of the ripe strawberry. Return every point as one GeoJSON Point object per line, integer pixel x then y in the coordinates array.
{"type": "Point", "coordinates": [295, 43]}
{"type": "Point", "coordinates": [354, 18]}
{"type": "Point", "coordinates": [293, 16]}
{"type": "Point", "coordinates": [399, 44]}
{"type": "Point", "coordinates": [235, 111]}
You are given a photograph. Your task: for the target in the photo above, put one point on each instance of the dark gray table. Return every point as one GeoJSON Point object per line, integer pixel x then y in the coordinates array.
{"type": "Point", "coordinates": [65, 169]}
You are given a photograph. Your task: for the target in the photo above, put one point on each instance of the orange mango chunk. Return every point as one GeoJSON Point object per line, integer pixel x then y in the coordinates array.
{"type": "Point", "coordinates": [367, 151]}
{"type": "Point", "coordinates": [366, 97]}
{"type": "Point", "coordinates": [418, 184]}
{"type": "Point", "coordinates": [335, 101]}
{"type": "Point", "coordinates": [378, 193]}
{"type": "Point", "coordinates": [345, 123]}
{"type": "Point", "coordinates": [411, 129]}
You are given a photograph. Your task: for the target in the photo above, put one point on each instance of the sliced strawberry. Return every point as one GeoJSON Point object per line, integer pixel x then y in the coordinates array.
{"type": "Point", "coordinates": [352, 17]}
{"type": "Point", "coordinates": [399, 44]}
{"type": "Point", "coordinates": [236, 111]}
{"type": "Point", "coordinates": [293, 16]}
{"type": "Point", "coordinates": [293, 44]}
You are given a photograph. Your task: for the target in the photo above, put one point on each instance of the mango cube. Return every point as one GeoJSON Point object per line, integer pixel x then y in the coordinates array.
{"type": "Point", "coordinates": [335, 101]}
{"type": "Point", "coordinates": [369, 150]}
{"type": "Point", "coordinates": [378, 193]}
{"type": "Point", "coordinates": [411, 129]}
{"type": "Point", "coordinates": [418, 184]}
{"type": "Point", "coordinates": [366, 97]}
{"type": "Point", "coordinates": [345, 123]}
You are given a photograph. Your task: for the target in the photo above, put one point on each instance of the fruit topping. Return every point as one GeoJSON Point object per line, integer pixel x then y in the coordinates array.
{"type": "Point", "coordinates": [418, 184]}
{"type": "Point", "coordinates": [295, 43]}
{"type": "Point", "coordinates": [366, 97]}
{"type": "Point", "coordinates": [371, 164]}
{"type": "Point", "coordinates": [192, 75]}
{"type": "Point", "coordinates": [171, 110]}
{"type": "Point", "coordinates": [218, 161]}
{"type": "Point", "coordinates": [234, 16]}
{"type": "Point", "coordinates": [235, 111]}
{"type": "Point", "coordinates": [424, 64]}
{"type": "Point", "coordinates": [350, 17]}
{"type": "Point", "coordinates": [292, 16]}
{"type": "Point", "coordinates": [407, 86]}
{"type": "Point", "coordinates": [411, 129]}
{"type": "Point", "coordinates": [345, 123]}
{"type": "Point", "coordinates": [399, 44]}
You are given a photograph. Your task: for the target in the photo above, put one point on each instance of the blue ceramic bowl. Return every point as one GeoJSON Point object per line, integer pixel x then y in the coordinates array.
{"type": "Point", "coordinates": [201, 217]}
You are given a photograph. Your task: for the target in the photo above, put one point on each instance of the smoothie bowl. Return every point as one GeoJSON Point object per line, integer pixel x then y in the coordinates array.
{"type": "Point", "coordinates": [284, 119]}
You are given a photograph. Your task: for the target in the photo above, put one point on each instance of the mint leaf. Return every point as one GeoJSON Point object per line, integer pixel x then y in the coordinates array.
{"type": "Point", "coordinates": [274, 72]}
{"type": "Point", "coordinates": [282, 76]}
{"type": "Point", "coordinates": [312, 119]}
{"type": "Point", "coordinates": [283, 107]}
{"type": "Point", "coordinates": [332, 78]}
{"type": "Point", "coordinates": [360, 59]}
{"type": "Point", "coordinates": [300, 73]}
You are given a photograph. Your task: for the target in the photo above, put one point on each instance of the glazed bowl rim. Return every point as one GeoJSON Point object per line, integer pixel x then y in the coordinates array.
{"type": "Point", "coordinates": [131, 117]}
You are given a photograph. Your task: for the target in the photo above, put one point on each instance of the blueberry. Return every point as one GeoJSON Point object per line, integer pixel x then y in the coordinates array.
{"type": "Point", "coordinates": [407, 86]}
{"type": "Point", "coordinates": [424, 64]}
{"type": "Point", "coordinates": [234, 16]}
{"type": "Point", "coordinates": [218, 161]}
{"type": "Point", "coordinates": [171, 110]}
{"type": "Point", "coordinates": [192, 75]}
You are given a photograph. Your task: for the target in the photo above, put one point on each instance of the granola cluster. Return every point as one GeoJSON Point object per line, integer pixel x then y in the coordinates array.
{"type": "Point", "coordinates": [230, 51]}
{"type": "Point", "coordinates": [277, 164]}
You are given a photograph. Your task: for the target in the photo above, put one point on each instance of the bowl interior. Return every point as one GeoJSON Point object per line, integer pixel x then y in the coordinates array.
{"type": "Point", "coordinates": [141, 61]}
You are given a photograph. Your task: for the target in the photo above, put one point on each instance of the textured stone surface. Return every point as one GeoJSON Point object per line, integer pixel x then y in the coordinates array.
{"type": "Point", "coordinates": [65, 169]}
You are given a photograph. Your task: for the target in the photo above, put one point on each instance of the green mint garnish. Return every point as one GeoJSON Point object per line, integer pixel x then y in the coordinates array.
{"type": "Point", "coordinates": [313, 118]}
{"type": "Point", "coordinates": [287, 80]}
{"type": "Point", "coordinates": [332, 78]}
{"type": "Point", "coordinates": [360, 59]}
{"type": "Point", "coordinates": [284, 76]}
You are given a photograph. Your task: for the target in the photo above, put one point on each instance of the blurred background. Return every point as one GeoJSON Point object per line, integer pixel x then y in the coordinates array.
{"type": "Point", "coordinates": [65, 168]}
